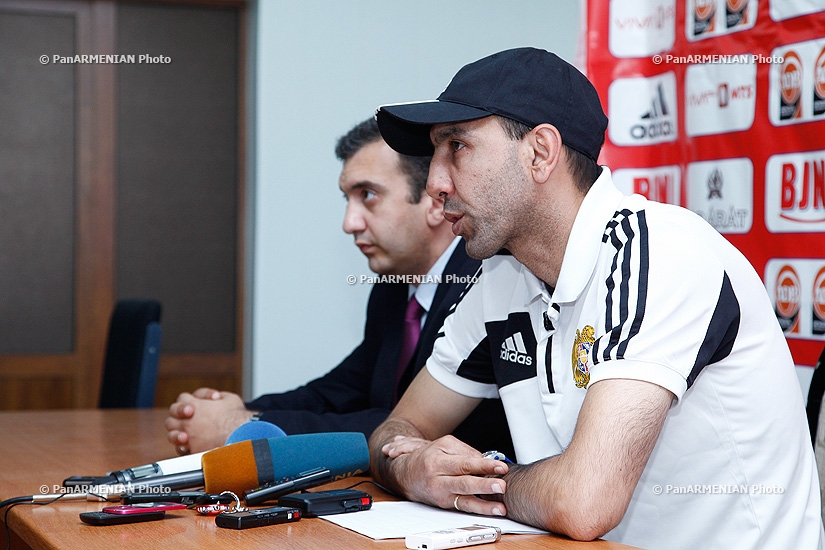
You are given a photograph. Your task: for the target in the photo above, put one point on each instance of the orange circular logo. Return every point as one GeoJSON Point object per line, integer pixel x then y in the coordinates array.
{"type": "Point", "coordinates": [819, 74]}
{"type": "Point", "coordinates": [703, 9]}
{"type": "Point", "coordinates": [735, 6]}
{"type": "Point", "coordinates": [790, 78]}
{"type": "Point", "coordinates": [819, 294]}
{"type": "Point", "coordinates": [788, 292]}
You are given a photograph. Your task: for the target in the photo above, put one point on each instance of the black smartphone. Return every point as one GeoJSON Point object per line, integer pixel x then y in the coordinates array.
{"type": "Point", "coordinates": [105, 518]}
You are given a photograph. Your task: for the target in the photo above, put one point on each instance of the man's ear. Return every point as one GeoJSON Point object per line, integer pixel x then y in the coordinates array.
{"type": "Point", "coordinates": [434, 210]}
{"type": "Point", "coordinates": [546, 149]}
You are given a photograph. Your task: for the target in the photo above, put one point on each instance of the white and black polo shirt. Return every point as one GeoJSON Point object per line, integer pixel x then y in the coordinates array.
{"type": "Point", "coordinates": [651, 292]}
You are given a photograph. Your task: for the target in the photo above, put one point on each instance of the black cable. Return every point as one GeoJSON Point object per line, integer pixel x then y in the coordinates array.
{"type": "Point", "coordinates": [15, 501]}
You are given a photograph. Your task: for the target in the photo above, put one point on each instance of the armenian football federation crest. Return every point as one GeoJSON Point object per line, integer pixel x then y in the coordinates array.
{"type": "Point", "coordinates": [581, 353]}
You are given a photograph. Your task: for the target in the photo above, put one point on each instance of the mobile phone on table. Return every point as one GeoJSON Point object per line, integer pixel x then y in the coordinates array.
{"type": "Point", "coordinates": [142, 507]}
{"type": "Point", "coordinates": [453, 538]}
{"type": "Point", "coordinates": [105, 518]}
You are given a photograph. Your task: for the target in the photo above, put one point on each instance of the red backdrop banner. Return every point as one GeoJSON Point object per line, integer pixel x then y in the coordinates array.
{"type": "Point", "coordinates": [719, 106]}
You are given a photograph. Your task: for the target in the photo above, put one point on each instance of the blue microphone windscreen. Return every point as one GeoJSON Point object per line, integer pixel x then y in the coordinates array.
{"type": "Point", "coordinates": [254, 430]}
{"type": "Point", "coordinates": [344, 454]}
{"type": "Point", "coordinates": [250, 464]}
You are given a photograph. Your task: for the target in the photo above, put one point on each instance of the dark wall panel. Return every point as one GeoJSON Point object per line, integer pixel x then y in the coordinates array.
{"type": "Point", "coordinates": [177, 146]}
{"type": "Point", "coordinates": [37, 184]}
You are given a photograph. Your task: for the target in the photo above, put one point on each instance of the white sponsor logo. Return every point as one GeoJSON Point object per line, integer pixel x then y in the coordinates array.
{"type": "Point", "coordinates": [721, 191]}
{"type": "Point", "coordinates": [639, 28]}
{"type": "Point", "coordinates": [795, 193]}
{"type": "Point", "coordinates": [786, 9]}
{"type": "Point", "coordinates": [643, 110]}
{"type": "Point", "coordinates": [792, 85]}
{"type": "Point", "coordinates": [719, 98]}
{"type": "Point", "coordinates": [660, 184]}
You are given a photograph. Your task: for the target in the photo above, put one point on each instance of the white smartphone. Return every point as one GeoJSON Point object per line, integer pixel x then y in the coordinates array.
{"type": "Point", "coordinates": [453, 538]}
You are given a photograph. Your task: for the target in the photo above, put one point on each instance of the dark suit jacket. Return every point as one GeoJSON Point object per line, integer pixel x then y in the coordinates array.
{"type": "Point", "coordinates": [357, 395]}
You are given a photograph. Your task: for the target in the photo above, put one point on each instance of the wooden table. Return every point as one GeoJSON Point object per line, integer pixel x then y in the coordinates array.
{"type": "Point", "coordinates": [43, 448]}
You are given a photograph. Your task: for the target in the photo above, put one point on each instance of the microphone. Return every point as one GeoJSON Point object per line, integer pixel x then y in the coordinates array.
{"type": "Point", "coordinates": [178, 465]}
{"type": "Point", "coordinates": [161, 468]}
{"type": "Point", "coordinates": [114, 491]}
{"type": "Point", "coordinates": [254, 429]}
{"type": "Point", "coordinates": [250, 464]}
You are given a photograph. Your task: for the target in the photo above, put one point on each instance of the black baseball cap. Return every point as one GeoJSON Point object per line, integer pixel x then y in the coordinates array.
{"type": "Point", "coordinates": [529, 85]}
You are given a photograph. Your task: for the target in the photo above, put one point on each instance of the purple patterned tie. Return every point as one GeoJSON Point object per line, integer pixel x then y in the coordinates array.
{"type": "Point", "coordinates": [412, 330]}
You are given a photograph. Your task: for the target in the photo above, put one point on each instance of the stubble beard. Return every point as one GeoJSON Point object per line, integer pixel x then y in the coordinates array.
{"type": "Point", "coordinates": [500, 217]}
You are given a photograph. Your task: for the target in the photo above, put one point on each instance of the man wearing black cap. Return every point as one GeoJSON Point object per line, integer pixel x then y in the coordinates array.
{"type": "Point", "coordinates": [649, 391]}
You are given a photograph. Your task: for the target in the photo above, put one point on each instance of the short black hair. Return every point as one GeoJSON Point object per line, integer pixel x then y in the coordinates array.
{"type": "Point", "coordinates": [584, 169]}
{"type": "Point", "coordinates": [364, 133]}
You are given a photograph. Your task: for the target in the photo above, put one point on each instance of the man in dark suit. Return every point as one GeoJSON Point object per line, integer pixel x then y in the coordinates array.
{"type": "Point", "coordinates": [405, 237]}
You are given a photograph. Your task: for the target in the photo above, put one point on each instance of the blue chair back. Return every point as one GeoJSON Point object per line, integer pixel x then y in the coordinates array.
{"type": "Point", "coordinates": [130, 371]}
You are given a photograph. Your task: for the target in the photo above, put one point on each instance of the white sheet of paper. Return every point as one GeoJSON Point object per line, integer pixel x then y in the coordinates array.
{"type": "Point", "coordinates": [396, 520]}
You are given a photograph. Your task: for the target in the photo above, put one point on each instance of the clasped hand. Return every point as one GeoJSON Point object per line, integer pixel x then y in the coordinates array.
{"type": "Point", "coordinates": [447, 473]}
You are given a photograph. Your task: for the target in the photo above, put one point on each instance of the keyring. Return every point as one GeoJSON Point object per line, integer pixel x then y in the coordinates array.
{"type": "Point", "coordinates": [237, 507]}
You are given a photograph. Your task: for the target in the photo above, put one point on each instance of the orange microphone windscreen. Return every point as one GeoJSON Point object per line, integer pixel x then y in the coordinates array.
{"type": "Point", "coordinates": [230, 468]}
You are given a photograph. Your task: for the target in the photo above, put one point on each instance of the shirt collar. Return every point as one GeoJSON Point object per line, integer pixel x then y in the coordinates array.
{"type": "Point", "coordinates": [582, 251]}
{"type": "Point", "coordinates": [425, 292]}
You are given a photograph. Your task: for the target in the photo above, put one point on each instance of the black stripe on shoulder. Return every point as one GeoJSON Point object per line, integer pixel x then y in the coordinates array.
{"type": "Point", "coordinates": [721, 333]}
{"type": "Point", "coordinates": [477, 365]}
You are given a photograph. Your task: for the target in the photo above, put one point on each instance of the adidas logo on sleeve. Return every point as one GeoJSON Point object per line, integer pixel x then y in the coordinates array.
{"type": "Point", "coordinates": [513, 350]}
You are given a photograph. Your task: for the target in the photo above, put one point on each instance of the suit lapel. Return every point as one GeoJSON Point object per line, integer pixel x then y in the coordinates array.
{"type": "Point", "coordinates": [459, 265]}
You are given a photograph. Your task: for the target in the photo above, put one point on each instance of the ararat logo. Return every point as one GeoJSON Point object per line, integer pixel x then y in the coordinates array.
{"type": "Point", "coordinates": [643, 110]}
{"type": "Point", "coordinates": [719, 98]}
{"type": "Point", "coordinates": [715, 183]}
{"type": "Point", "coordinates": [513, 350]}
{"type": "Point", "coordinates": [721, 191]}
{"type": "Point", "coordinates": [640, 28]}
